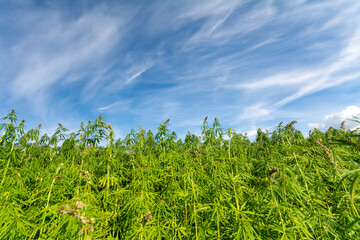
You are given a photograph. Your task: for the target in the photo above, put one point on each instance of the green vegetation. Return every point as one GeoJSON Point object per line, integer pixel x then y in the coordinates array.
{"type": "Point", "coordinates": [218, 185]}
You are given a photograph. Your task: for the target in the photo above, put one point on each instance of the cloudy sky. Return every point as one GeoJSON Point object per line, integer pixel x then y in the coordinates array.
{"type": "Point", "coordinates": [251, 64]}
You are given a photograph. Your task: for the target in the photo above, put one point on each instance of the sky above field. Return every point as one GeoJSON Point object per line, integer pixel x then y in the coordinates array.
{"type": "Point", "coordinates": [251, 64]}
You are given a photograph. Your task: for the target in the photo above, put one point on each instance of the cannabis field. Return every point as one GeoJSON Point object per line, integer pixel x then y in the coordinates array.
{"type": "Point", "coordinates": [220, 185]}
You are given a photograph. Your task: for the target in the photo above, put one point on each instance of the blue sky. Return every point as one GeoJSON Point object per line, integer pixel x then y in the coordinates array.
{"type": "Point", "coordinates": [251, 64]}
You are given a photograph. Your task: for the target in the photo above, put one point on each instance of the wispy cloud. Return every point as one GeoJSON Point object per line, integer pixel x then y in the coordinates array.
{"type": "Point", "coordinates": [222, 25]}
{"type": "Point", "coordinates": [116, 106]}
{"type": "Point", "coordinates": [304, 80]}
{"type": "Point", "coordinates": [134, 73]}
{"type": "Point", "coordinates": [66, 45]}
{"type": "Point", "coordinates": [130, 74]}
{"type": "Point", "coordinates": [57, 50]}
{"type": "Point", "coordinates": [276, 86]}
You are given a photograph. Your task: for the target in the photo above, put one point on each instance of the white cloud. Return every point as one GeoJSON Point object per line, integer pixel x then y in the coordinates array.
{"type": "Point", "coordinates": [335, 120]}
{"type": "Point", "coordinates": [342, 67]}
{"type": "Point", "coordinates": [135, 71]}
{"type": "Point", "coordinates": [116, 106]}
{"type": "Point", "coordinates": [216, 30]}
{"type": "Point", "coordinates": [315, 79]}
{"type": "Point", "coordinates": [255, 111]}
{"type": "Point", "coordinates": [120, 78]}
{"type": "Point", "coordinates": [57, 46]}
{"type": "Point", "coordinates": [282, 79]}
{"type": "Point", "coordinates": [202, 9]}
{"type": "Point", "coordinates": [352, 50]}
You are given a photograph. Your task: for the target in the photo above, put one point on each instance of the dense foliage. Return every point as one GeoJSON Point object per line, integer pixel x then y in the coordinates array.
{"type": "Point", "coordinates": [218, 185]}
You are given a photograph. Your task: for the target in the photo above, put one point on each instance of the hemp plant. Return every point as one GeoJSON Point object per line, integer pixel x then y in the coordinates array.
{"type": "Point", "coordinates": [89, 185]}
